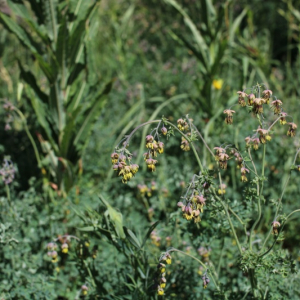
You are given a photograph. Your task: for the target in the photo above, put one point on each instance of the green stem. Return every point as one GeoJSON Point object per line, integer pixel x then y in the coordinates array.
{"type": "Point", "coordinates": [29, 136]}
{"type": "Point", "coordinates": [229, 221]}
{"type": "Point", "coordinates": [191, 143]}
{"type": "Point", "coordinates": [90, 274]}
{"type": "Point", "coordinates": [259, 194]}
{"type": "Point", "coordinates": [200, 262]}
{"type": "Point", "coordinates": [281, 228]}
{"type": "Point", "coordinates": [280, 199]}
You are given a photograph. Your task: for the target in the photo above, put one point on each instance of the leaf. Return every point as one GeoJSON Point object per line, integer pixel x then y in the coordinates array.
{"type": "Point", "coordinates": [62, 52]}
{"type": "Point", "coordinates": [14, 27]}
{"type": "Point", "coordinates": [132, 238]}
{"type": "Point", "coordinates": [203, 48]}
{"type": "Point", "coordinates": [31, 81]}
{"type": "Point", "coordinates": [151, 228]}
{"type": "Point", "coordinates": [236, 24]}
{"type": "Point", "coordinates": [115, 217]}
{"type": "Point", "coordinates": [91, 113]}
{"type": "Point", "coordinates": [87, 229]}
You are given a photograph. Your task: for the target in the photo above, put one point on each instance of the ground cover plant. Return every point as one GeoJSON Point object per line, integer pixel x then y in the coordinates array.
{"type": "Point", "coordinates": [149, 149]}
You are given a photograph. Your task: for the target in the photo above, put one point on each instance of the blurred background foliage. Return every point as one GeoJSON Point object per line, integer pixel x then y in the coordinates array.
{"type": "Point", "coordinates": [165, 58]}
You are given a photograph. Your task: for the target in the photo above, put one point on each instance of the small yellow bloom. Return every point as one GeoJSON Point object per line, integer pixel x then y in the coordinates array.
{"type": "Point", "coordinates": [217, 83]}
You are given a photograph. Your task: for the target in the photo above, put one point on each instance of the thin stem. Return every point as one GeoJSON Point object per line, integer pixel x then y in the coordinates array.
{"type": "Point", "coordinates": [281, 228]}
{"type": "Point", "coordinates": [280, 199]}
{"type": "Point", "coordinates": [259, 194]}
{"type": "Point", "coordinates": [229, 221]}
{"type": "Point", "coordinates": [90, 273]}
{"type": "Point", "coordinates": [191, 143]}
{"type": "Point", "coordinates": [204, 142]}
{"type": "Point", "coordinates": [200, 262]}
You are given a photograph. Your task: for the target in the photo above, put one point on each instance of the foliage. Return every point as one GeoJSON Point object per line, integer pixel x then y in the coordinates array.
{"type": "Point", "coordinates": [178, 59]}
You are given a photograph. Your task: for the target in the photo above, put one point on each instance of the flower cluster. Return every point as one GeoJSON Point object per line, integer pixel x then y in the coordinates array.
{"type": "Point", "coordinates": [292, 129]}
{"type": "Point", "coordinates": [8, 107]}
{"type": "Point", "coordinates": [193, 207]}
{"type": "Point", "coordinates": [221, 157]}
{"type": "Point", "coordinates": [7, 171]}
{"type": "Point", "coordinates": [205, 280]}
{"type": "Point", "coordinates": [155, 238]}
{"type": "Point", "coordinates": [52, 251]}
{"type": "Point", "coordinates": [144, 190]}
{"type": "Point", "coordinates": [154, 148]}
{"type": "Point", "coordinates": [120, 166]}
{"type": "Point", "coordinates": [204, 253]}
{"type": "Point", "coordinates": [84, 290]}
{"type": "Point", "coordinates": [160, 279]}
{"type": "Point", "coordinates": [182, 125]}
{"type": "Point", "coordinates": [185, 145]}
{"type": "Point", "coordinates": [222, 189]}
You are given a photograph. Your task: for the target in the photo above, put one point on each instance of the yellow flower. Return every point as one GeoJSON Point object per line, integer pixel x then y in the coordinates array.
{"type": "Point", "coordinates": [217, 83]}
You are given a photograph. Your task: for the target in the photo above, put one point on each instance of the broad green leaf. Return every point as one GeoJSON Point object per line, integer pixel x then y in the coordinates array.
{"type": "Point", "coordinates": [31, 80]}
{"type": "Point", "coordinates": [116, 218]}
{"type": "Point", "coordinates": [15, 28]}
{"type": "Point", "coordinates": [91, 113]}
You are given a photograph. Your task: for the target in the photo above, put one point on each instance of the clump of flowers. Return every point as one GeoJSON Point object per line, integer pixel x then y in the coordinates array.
{"type": "Point", "coordinates": [194, 201]}
{"type": "Point", "coordinates": [222, 189]}
{"type": "Point", "coordinates": [119, 162]}
{"type": "Point", "coordinates": [263, 135]}
{"type": "Point", "coordinates": [160, 278]}
{"type": "Point", "coordinates": [182, 125]}
{"type": "Point", "coordinates": [155, 238]}
{"type": "Point", "coordinates": [204, 253]}
{"type": "Point", "coordinates": [84, 290]}
{"type": "Point", "coordinates": [7, 171]}
{"type": "Point", "coordinates": [52, 251]}
{"type": "Point", "coordinates": [242, 96]}
{"type": "Point", "coordinates": [221, 157]}
{"type": "Point", "coordinates": [52, 247]}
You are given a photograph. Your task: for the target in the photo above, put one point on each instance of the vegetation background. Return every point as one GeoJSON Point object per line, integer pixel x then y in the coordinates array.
{"type": "Point", "coordinates": [82, 74]}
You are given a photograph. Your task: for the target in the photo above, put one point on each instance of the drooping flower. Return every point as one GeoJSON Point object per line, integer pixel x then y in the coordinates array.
{"type": "Point", "coordinates": [229, 116]}
{"type": "Point", "coordinates": [292, 130]}
{"type": "Point", "coordinates": [241, 99]}
{"type": "Point", "coordinates": [244, 172]}
{"type": "Point", "coordinates": [267, 94]}
{"type": "Point", "coordinates": [275, 225]}
{"type": "Point", "coordinates": [276, 106]}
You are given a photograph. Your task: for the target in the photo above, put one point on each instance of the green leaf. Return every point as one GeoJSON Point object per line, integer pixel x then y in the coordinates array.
{"type": "Point", "coordinates": [203, 48]}
{"type": "Point", "coordinates": [151, 228]}
{"type": "Point", "coordinates": [15, 28]}
{"type": "Point", "coordinates": [91, 113]}
{"type": "Point", "coordinates": [115, 217]}
{"type": "Point", "coordinates": [31, 80]}
{"type": "Point", "coordinates": [132, 238]}
{"type": "Point", "coordinates": [87, 229]}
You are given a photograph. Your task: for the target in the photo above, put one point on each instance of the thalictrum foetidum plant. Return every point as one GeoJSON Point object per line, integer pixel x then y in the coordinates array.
{"type": "Point", "coordinates": [206, 197]}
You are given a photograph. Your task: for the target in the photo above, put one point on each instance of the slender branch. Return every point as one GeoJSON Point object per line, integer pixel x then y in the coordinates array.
{"type": "Point", "coordinates": [259, 192]}
{"type": "Point", "coordinates": [281, 228]}
{"type": "Point", "coordinates": [280, 199]}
